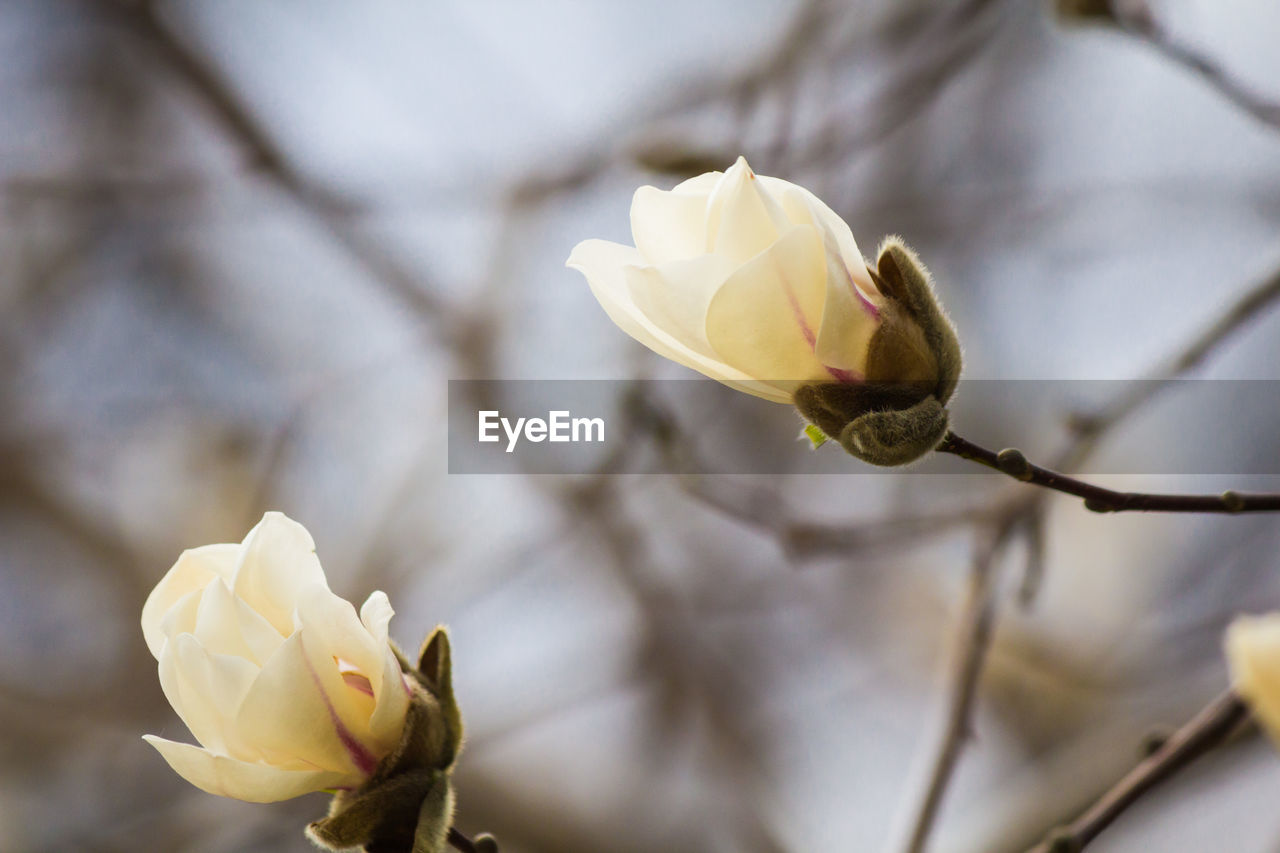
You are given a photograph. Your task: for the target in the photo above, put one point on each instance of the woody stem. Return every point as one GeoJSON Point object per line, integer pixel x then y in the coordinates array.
{"type": "Point", "coordinates": [1098, 498]}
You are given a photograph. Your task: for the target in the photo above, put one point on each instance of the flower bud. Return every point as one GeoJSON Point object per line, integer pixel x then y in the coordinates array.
{"type": "Point", "coordinates": [407, 804]}
{"type": "Point", "coordinates": [748, 279]}
{"type": "Point", "coordinates": [897, 413]}
{"type": "Point", "coordinates": [285, 687]}
{"type": "Point", "coordinates": [1253, 655]}
{"type": "Point", "coordinates": [756, 283]}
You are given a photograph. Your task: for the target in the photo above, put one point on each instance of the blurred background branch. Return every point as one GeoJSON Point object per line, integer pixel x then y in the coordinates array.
{"type": "Point", "coordinates": [243, 246]}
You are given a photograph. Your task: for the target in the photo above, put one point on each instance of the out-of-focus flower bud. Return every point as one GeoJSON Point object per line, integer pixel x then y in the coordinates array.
{"type": "Point", "coordinates": [1253, 654]}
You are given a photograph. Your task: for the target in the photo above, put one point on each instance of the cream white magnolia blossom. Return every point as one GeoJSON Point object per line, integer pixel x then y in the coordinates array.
{"type": "Point", "coordinates": [1253, 654]}
{"type": "Point", "coordinates": [748, 279]}
{"type": "Point", "coordinates": [287, 690]}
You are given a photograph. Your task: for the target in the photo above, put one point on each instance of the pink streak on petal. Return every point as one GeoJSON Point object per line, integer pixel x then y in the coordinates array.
{"type": "Point", "coordinates": [795, 307]}
{"type": "Point", "coordinates": [353, 677]}
{"type": "Point", "coordinates": [358, 682]}
{"type": "Point", "coordinates": [363, 759]}
{"type": "Point", "coordinates": [867, 305]}
{"type": "Point", "coordinates": [849, 377]}
{"type": "Point", "coordinates": [839, 374]}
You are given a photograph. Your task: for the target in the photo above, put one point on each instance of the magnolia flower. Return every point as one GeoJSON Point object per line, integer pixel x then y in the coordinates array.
{"type": "Point", "coordinates": [1253, 654]}
{"type": "Point", "coordinates": [750, 280]}
{"type": "Point", "coordinates": [287, 690]}
{"type": "Point", "coordinates": [756, 283]}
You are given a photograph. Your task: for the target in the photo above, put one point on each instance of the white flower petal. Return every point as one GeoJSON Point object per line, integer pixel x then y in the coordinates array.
{"type": "Point", "coordinates": [674, 297]}
{"type": "Point", "coordinates": [226, 625]}
{"type": "Point", "coordinates": [181, 617]}
{"type": "Point", "coordinates": [849, 322]}
{"type": "Point", "coordinates": [668, 226]}
{"type": "Point", "coordinates": [336, 639]}
{"type": "Point", "coordinates": [764, 319]}
{"type": "Point", "coordinates": [193, 571]}
{"type": "Point", "coordinates": [277, 559]}
{"type": "Point", "coordinates": [742, 221]}
{"type": "Point", "coordinates": [803, 207]}
{"type": "Point", "coordinates": [702, 185]}
{"type": "Point", "coordinates": [182, 683]}
{"type": "Point", "coordinates": [375, 615]}
{"type": "Point", "coordinates": [288, 715]}
{"type": "Point", "coordinates": [250, 781]}
{"type": "Point", "coordinates": [603, 263]}
{"type": "Point", "coordinates": [1253, 654]}
{"type": "Point", "coordinates": [391, 696]}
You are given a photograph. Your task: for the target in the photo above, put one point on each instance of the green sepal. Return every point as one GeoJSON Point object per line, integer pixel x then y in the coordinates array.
{"type": "Point", "coordinates": [435, 672]}
{"type": "Point", "coordinates": [916, 341]}
{"type": "Point", "coordinates": [1100, 11]}
{"type": "Point", "coordinates": [896, 437]}
{"type": "Point", "coordinates": [384, 815]}
{"type": "Point", "coordinates": [898, 412]}
{"type": "Point", "coordinates": [816, 436]}
{"type": "Point", "coordinates": [435, 816]}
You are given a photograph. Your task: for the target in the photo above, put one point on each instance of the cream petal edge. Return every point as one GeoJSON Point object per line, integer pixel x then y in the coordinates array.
{"type": "Point", "coordinates": [243, 780]}
{"type": "Point", "coordinates": [193, 570]}
{"type": "Point", "coordinates": [617, 304]}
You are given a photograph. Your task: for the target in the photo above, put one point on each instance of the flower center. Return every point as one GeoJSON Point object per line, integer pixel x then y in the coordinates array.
{"type": "Point", "coordinates": [353, 677]}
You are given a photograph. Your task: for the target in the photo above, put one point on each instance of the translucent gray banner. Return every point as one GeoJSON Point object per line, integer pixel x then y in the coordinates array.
{"type": "Point", "coordinates": [580, 427]}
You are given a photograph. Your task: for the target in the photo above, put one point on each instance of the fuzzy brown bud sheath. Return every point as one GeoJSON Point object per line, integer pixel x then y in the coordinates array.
{"type": "Point", "coordinates": [898, 412]}
{"type": "Point", "coordinates": [406, 806]}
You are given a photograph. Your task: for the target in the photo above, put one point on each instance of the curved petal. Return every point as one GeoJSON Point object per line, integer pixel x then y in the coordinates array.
{"type": "Point", "coordinates": [337, 642]}
{"type": "Point", "coordinates": [226, 625]}
{"type": "Point", "coordinates": [742, 220]}
{"type": "Point", "coordinates": [764, 319]}
{"type": "Point", "coordinates": [244, 780]}
{"type": "Point", "coordinates": [181, 617]}
{"type": "Point", "coordinates": [702, 185]}
{"type": "Point", "coordinates": [602, 263]}
{"type": "Point", "coordinates": [803, 207]}
{"type": "Point", "coordinates": [675, 296]}
{"type": "Point", "coordinates": [289, 717]}
{"type": "Point", "coordinates": [668, 226]}
{"type": "Point", "coordinates": [844, 335]}
{"type": "Point", "coordinates": [391, 694]}
{"type": "Point", "coordinates": [206, 691]}
{"type": "Point", "coordinates": [193, 570]}
{"type": "Point", "coordinates": [277, 559]}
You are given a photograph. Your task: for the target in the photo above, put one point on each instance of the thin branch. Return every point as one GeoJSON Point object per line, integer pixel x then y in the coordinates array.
{"type": "Point", "coordinates": [1098, 498]}
{"type": "Point", "coordinates": [1026, 514]}
{"type": "Point", "coordinates": [975, 630]}
{"type": "Point", "coordinates": [1136, 19]}
{"type": "Point", "coordinates": [272, 161]}
{"type": "Point", "coordinates": [1203, 733]}
{"type": "Point", "coordinates": [1252, 302]}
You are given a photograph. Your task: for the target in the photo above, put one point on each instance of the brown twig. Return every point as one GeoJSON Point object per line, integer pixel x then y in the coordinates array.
{"type": "Point", "coordinates": [1098, 498]}
{"type": "Point", "coordinates": [976, 624]}
{"type": "Point", "coordinates": [1205, 731]}
{"type": "Point", "coordinates": [1136, 19]}
{"type": "Point", "coordinates": [1089, 432]}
